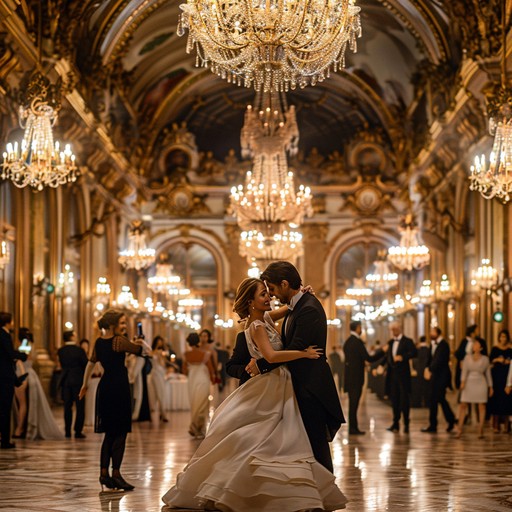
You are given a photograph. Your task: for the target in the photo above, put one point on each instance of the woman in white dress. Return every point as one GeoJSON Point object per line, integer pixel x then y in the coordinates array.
{"type": "Point", "coordinates": [35, 421]}
{"type": "Point", "coordinates": [476, 385]}
{"type": "Point", "coordinates": [256, 455]}
{"type": "Point", "coordinates": [158, 390]}
{"type": "Point", "coordinates": [197, 365]}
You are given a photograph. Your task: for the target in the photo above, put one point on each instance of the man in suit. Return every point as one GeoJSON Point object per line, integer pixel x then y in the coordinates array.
{"type": "Point", "coordinates": [401, 350]}
{"type": "Point", "coordinates": [8, 379]}
{"type": "Point", "coordinates": [438, 371]}
{"type": "Point", "coordinates": [305, 324]}
{"type": "Point", "coordinates": [237, 363]}
{"type": "Point", "coordinates": [355, 357]}
{"type": "Point", "coordinates": [73, 361]}
{"type": "Point", "coordinates": [337, 366]}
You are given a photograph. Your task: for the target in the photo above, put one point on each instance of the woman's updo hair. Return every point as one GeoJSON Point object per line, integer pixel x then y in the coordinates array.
{"type": "Point", "coordinates": [110, 319]}
{"type": "Point", "coordinates": [245, 292]}
{"type": "Point", "coordinates": [193, 339]}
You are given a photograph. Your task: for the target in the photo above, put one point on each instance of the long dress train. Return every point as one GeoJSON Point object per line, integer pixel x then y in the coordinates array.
{"type": "Point", "coordinates": [256, 456]}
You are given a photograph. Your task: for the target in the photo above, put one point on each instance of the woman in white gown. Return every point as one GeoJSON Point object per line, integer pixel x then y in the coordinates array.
{"type": "Point", "coordinates": [256, 455]}
{"type": "Point", "coordinates": [157, 387]}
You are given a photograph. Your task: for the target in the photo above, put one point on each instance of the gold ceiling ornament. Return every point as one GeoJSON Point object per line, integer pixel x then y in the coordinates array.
{"type": "Point", "coordinates": [493, 178]}
{"type": "Point", "coordinates": [271, 45]}
{"type": "Point", "coordinates": [410, 254]}
{"type": "Point", "coordinates": [39, 161]}
{"type": "Point", "coordinates": [137, 256]}
{"type": "Point", "coordinates": [269, 209]}
{"type": "Point", "coordinates": [381, 279]}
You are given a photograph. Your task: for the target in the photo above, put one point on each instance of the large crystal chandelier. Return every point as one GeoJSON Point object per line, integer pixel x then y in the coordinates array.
{"type": "Point", "coordinates": [494, 178]}
{"type": "Point", "coordinates": [381, 279]}
{"type": "Point", "coordinates": [269, 209]}
{"type": "Point", "coordinates": [164, 281]}
{"type": "Point", "coordinates": [137, 255]}
{"type": "Point", "coordinates": [411, 254]}
{"type": "Point", "coordinates": [39, 161]}
{"type": "Point", "coordinates": [485, 276]}
{"type": "Point", "coordinates": [272, 45]}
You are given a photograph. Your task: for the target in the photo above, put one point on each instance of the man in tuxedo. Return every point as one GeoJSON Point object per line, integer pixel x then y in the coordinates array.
{"type": "Point", "coordinates": [355, 357]}
{"type": "Point", "coordinates": [438, 371]}
{"type": "Point", "coordinates": [237, 363]}
{"type": "Point", "coordinates": [73, 361]}
{"type": "Point", "coordinates": [305, 324]}
{"type": "Point", "coordinates": [401, 350]}
{"type": "Point", "coordinates": [8, 379]}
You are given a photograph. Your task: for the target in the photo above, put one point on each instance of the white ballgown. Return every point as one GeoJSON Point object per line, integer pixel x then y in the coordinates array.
{"type": "Point", "coordinates": [256, 455]}
{"type": "Point", "coordinates": [198, 392]}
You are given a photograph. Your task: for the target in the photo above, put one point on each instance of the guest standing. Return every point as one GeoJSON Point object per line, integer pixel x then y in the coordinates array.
{"type": "Point", "coordinates": [8, 378]}
{"type": "Point", "coordinates": [419, 365]}
{"type": "Point", "coordinates": [438, 372]}
{"type": "Point", "coordinates": [113, 406]}
{"type": "Point", "coordinates": [500, 404]}
{"type": "Point", "coordinates": [73, 360]}
{"type": "Point", "coordinates": [475, 385]}
{"type": "Point", "coordinates": [466, 348]}
{"type": "Point", "coordinates": [159, 399]}
{"type": "Point", "coordinates": [355, 357]}
{"type": "Point", "coordinates": [197, 364]}
{"type": "Point", "coordinates": [336, 365]}
{"type": "Point", "coordinates": [401, 350]}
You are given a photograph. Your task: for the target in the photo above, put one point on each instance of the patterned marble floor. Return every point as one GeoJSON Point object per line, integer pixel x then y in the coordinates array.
{"type": "Point", "coordinates": [380, 471]}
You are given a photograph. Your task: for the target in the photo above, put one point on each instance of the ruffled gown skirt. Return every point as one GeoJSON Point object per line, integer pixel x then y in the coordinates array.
{"type": "Point", "coordinates": [256, 456]}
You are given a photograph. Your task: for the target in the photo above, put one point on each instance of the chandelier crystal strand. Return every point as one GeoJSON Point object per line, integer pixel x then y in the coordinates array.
{"type": "Point", "coordinates": [271, 45]}
{"type": "Point", "coordinates": [485, 276]}
{"type": "Point", "coordinates": [382, 279]}
{"type": "Point", "coordinates": [39, 161]}
{"type": "Point", "coordinates": [138, 255]}
{"type": "Point", "coordinates": [411, 254]}
{"type": "Point", "coordinates": [164, 280]}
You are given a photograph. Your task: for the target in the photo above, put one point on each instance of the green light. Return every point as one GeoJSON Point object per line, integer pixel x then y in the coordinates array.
{"type": "Point", "coordinates": [50, 288]}
{"type": "Point", "coordinates": [498, 316]}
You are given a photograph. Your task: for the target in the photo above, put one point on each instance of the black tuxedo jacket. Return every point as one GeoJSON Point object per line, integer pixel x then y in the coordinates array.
{"type": "Point", "coordinates": [73, 361]}
{"type": "Point", "coordinates": [439, 365]}
{"type": "Point", "coordinates": [8, 357]}
{"type": "Point", "coordinates": [235, 367]}
{"type": "Point", "coordinates": [401, 369]}
{"type": "Point", "coordinates": [355, 357]}
{"type": "Point", "coordinates": [304, 326]}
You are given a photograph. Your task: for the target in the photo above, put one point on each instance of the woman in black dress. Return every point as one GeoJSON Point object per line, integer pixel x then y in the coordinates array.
{"type": "Point", "coordinates": [500, 405]}
{"type": "Point", "coordinates": [113, 400]}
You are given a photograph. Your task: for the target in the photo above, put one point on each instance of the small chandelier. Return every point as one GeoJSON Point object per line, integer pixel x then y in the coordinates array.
{"type": "Point", "coordinates": [382, 279]}
{"type": "Point", "coordinates": [5, 255]}
{"type": "Point", "coordinates": [138, 255]}
{"type": "Point", "coordinates": [102, 295]}
{"type": "Point", "coordinates": [164, 279]}
{"type": "Point", "coordinates": [445, 287]}
{"type": "Point", "coordinates": [426, 291]}
{"type": "Point", "coordinates": [485, 276]}
{"type": "Point", "coordinates": [272, 45]}
{"type": "Point", "coordinates": [411, 254]}
{"type": "Point", "coordinates": [494, 179]}
{"type": "Point", "coordinates": [270, 242]}
{"type": "Point", "coordinates": [39, 161]}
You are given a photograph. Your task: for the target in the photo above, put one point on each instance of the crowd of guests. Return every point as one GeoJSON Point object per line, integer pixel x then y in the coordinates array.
{"type": "Point", "coordinates": [483, 381]}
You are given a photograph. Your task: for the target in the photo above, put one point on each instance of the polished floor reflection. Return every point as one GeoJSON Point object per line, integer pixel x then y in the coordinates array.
{"type": "Point", "coordinates": [380, 471]}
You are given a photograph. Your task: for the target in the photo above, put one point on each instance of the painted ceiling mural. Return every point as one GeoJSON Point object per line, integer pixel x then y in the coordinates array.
{"type": "Point", "coordinates": [140, 112]}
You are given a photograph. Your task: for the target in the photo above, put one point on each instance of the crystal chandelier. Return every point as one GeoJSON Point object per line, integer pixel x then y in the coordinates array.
{"type": "Point", "coordinates": [445, 287]}
{"type": "Point", "coordinates": [382, 279]}
{"type": "Point", "coordinates": [485, 276]}
{"type": "Point", "coordinates": [39, 161]}
{"type": "Point", "coordinates": [269, 209]}
{"type": "Point", "coordinates": [164, 280]}
{"type": "Point", "coordinates": [270, 242]}
{"type": "Point", "coordinates": [5, 256]}
{"type": "Point", "coordinates": [102, 295]}
{"type": "Point", "coordinates": [272, 45]}
{"type": "Point", "coordinates": [426, 291]}
{"type": "Point", "coordinates": [494, 179]}
{"type": "Point", "coordinates": [411, 254]}
{"type": "Point", "coordinates": [137, 256]}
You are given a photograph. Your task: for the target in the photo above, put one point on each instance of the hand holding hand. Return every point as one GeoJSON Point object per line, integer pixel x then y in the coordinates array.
{"type": "Point", "coordinates": [313, 352]}
{"type": "Point", "coordinates": [398, 359]}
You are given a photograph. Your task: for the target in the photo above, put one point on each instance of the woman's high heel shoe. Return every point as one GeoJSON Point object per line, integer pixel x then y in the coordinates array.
{"type": "Point", "coordinates": [106, 481]}
{"type": "Point", "coordinates": [120, 483]}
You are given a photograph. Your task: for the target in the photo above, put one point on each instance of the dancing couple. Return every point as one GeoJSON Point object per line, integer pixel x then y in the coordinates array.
{"type": "Point", "coordinates": [267, 447]}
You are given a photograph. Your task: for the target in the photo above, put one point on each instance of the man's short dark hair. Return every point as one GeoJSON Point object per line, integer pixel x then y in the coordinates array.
{"type": "Point", "coordinates": [68, 335]}
{"type": "Point", "coordinates": [438, 330]}
{"type": "Point", "coordinates": [471, 329]}
{"type": "Point", "coordinates": [5, 318]}
{"type": "Point", "coordinates": [279, 271]}
{"type": "Point", "coordinates": [354, 325]}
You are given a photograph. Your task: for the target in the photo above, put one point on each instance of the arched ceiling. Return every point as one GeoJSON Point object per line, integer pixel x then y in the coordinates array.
{"type": "Point", "coordinates": [132, 45]}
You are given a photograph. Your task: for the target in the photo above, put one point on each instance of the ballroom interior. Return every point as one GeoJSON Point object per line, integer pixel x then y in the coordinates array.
{"type": "Point", "coordinates": [183, 174]}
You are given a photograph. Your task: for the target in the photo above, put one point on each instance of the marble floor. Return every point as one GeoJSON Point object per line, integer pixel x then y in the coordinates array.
{"type": "Point", "coordinates": [380, 471]}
